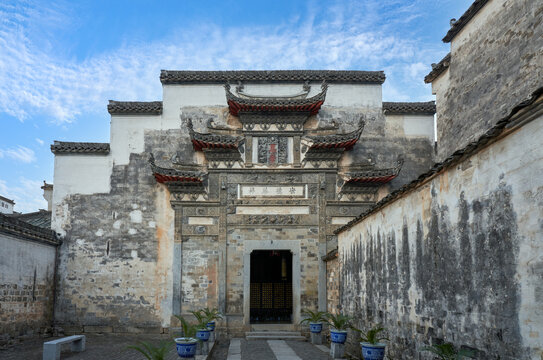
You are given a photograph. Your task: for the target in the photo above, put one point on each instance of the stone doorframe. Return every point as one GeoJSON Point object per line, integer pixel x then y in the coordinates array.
{"type": "Point", "coordinates": [248, 247]}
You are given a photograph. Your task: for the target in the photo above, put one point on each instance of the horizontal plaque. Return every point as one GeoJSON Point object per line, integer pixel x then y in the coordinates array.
{"type": "Point", "coordinates": [272, 191]}
{"type": "Point", "coordinates": [272, 210]}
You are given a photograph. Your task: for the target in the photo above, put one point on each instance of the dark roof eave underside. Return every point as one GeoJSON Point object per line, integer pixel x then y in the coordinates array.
{"type": "Point", "coordinates": [464, 19]}
{"type": "Point", "coordinates": [21, 228]}
{"type": "Point", "coordinates": [438, 69]}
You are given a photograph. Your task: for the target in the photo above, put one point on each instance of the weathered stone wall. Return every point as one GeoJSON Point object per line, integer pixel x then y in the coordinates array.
{"type": "Point", "coordinates": [26, 287]}
{"type": "Point", "coordinates": [115, 263]}
{"type": "Point", "coordinates": [458, 258]}
{"type": "Point", "coordinates": [332, 286]}
{"type": "Point", "coordinates": [495, 60]}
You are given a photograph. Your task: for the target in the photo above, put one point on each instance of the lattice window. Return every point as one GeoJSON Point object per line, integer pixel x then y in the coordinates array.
{"type": "Point", "coordinates": [267, 295]}
{"type": "Point", "coordinates": [279, 295]}
{"type": "Point", "coordinates": [255, 295]}
{"type": "Point", "coordinates": [288, 295]}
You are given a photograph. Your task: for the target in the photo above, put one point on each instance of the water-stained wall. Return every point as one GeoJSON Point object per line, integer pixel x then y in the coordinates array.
{"type": "Point", "coordinates": [27, 270]}
{"type": "Point", "coordinates": [457, 259]}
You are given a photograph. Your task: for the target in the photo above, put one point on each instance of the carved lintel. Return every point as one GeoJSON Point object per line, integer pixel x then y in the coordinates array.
{"type": "Point", "coordinates": [272, 220]}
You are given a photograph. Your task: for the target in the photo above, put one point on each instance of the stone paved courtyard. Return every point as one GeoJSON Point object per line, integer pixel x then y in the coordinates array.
{"type": "Point", "coordinates": [274, 349]}
{"type": "Point", "coordinates": [97, 347]}
{"type": "Point", "coordinates": [114, 347]}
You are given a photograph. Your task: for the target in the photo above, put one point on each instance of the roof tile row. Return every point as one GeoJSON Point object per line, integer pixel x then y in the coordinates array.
{"type": "Point", "coordinates": [134, 107]}
{"type": "Point", "coordinates": [63, 147]}
{"type": "Point", "coordinates": [409, 107]}
{"type": "Point", "coordinates": [178, 77]}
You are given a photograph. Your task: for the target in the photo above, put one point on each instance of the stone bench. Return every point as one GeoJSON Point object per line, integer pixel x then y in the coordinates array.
{"type": "Point", "coordinates": [51, 349]}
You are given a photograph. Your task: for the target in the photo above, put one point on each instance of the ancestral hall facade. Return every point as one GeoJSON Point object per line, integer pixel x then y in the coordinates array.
{"type": "Point", "coordinates": [225, 194]}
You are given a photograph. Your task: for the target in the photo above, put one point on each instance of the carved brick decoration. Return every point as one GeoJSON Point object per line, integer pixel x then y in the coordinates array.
{"type": "Point", "coordinates": [272, 220]}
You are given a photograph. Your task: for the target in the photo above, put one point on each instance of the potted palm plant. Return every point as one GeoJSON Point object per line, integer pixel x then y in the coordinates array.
{"type": "Point", "coordinates": [447, 351]}
{"type": "Point", "coordinates": [370, 341]}
{"type": "Point", "coordinates": [314, 319]}
{"type": "Point", "coordinates": [211, 315]}
{"type": "Point", "coordinates": [186, 345]}
{"type": "Point", "coordinates": [150, 351]}
{"type": "Point", "coordinates": [339, 324]}
{"type": "Point", "coordinates": [202, 331]}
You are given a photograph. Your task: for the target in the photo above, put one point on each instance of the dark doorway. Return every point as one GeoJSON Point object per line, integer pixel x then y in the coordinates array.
{"type": "Point", "coordinates": [271, 286]}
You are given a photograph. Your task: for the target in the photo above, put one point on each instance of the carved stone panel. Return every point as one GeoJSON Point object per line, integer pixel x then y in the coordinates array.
{"type": "Point", "coordinates": [273, 150]}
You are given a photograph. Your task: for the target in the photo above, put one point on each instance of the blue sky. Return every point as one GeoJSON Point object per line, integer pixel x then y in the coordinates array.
{"type": "Point", "coordinates": [60, 61]}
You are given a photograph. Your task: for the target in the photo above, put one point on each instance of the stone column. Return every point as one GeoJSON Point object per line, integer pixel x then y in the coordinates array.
{"type": "Point", "coordinates": [177, 264]}
{"type": "Point", "coordinates": [223, 193]}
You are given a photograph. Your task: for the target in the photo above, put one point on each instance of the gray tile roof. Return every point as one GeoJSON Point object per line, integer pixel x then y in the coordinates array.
{"type": "Point", "coordinates": [438, 69]}
{"type": "Point", "coordinates": [134, 107]}
{"type": "Point", "coordinates": [459, 24]}
{"type": "Point", "coordinates": [63, 147]}
{"type": "Point", "coordinates": [41, 218]}
{"type": "Point", "coordinates": [221, 77]}
{"type": "Point", "coordinates": [391, 108]}
{"type": "Point", "coordinates": [449, 162]}
{"type": "Point", "coordinates": [336, 140]}
{"type": "Point", "coordinates": [22, 229]}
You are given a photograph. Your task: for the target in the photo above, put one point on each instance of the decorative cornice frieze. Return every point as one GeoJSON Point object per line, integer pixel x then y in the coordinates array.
{"type": "Point", "coordinates": [282, 121]}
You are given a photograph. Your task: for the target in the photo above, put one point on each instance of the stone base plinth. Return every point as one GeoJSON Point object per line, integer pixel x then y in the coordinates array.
{"type": "Point", "coordinates": [316, 339]}
{"type": "Point", "coordinates": [337, 350]}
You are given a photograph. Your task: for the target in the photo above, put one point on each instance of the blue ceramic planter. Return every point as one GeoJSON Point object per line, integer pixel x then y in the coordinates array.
{"type": "Point", "coordinates": [338, 336]}
{"type": "Point", "coordinates": [211, 325]}
{"type": "Point", "coordinates": [203, 334]}
{"type": "Point", "coordinates": [373, 351]}
{"type": "Point", "coordinates": [186, 347]}
{"type": "Point", "coordinates": [315, 328]}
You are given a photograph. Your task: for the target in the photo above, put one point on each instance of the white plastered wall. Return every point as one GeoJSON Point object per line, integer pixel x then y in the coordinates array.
{"type": "Point", "coordinates": [410, 126]}
{"type": "Point", "coordinates": [211, 95]}
{"type": "Point", "coordinates": [127, 134]}
{"type": "Point", "coordinates": [77, 174]}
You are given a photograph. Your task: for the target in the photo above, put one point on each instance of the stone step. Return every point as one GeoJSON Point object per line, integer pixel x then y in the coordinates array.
{"type": "Point", "coordinates": [262, 332]}
{"type": "Point", "coordinates": [274, 335]}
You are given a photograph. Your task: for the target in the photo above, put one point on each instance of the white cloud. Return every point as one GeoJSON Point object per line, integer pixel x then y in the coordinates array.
{"type": "Point", "coordinates": [40, 141]}
{"type": "Point", "coordinates": [37, 81]}
{"type": "Point", "coordinates": [27, 194]}
{"type": "Point", "coordinates": [20, 153]}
